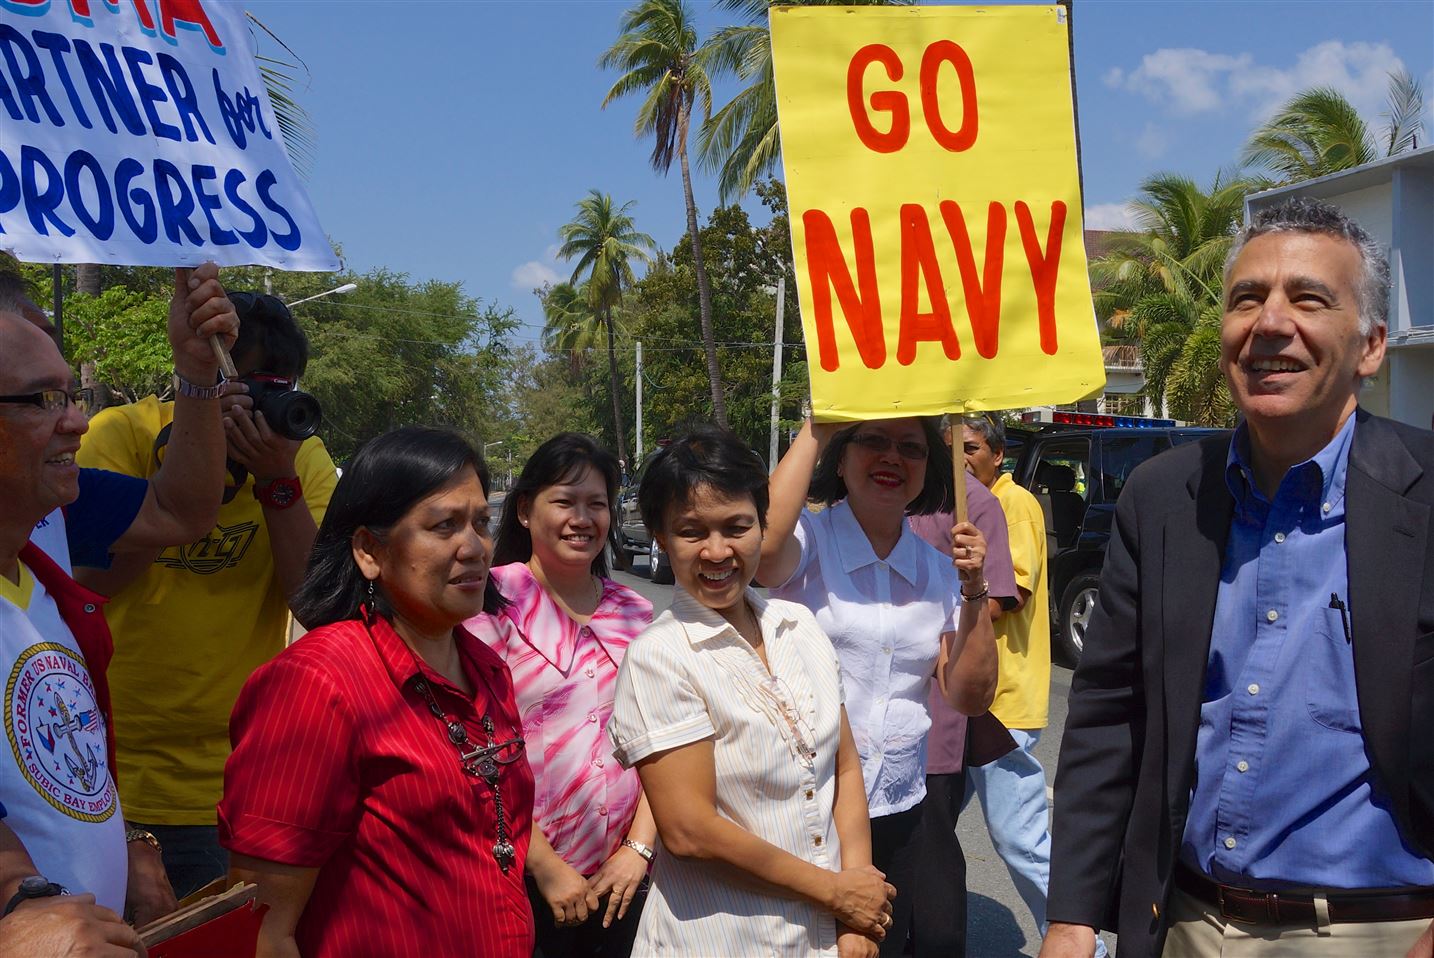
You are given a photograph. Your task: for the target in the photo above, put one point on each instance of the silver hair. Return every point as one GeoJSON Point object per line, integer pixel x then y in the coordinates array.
{"type": "Point", "coordinates": [990, 428]}
{"type": "Point", "coordinates": [1303, 214]}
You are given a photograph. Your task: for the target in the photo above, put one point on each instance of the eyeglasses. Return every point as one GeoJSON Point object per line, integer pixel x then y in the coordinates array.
{"type": "Point", "coordinates": [803, 735]}
{"type": "Point", "coordinates": [876, 442]}
{"type": "Point", "coordinates": [54, 400]}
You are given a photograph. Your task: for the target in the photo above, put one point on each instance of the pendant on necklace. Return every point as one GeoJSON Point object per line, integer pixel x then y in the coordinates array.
{"type": "Point", "coordinates": [504, 852]}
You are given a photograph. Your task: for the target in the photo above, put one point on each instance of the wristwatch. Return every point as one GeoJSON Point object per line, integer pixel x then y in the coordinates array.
{"type": "Point", "coordinates": [34, 886]}
{"type": "Point", "coordinates": [189, 390]}
{"type": "Point", "coordinates": [133, 834]}
{"type": "Point", "coordinates": [644, 850]}
{"type": "Point", "coordinates": [279, 493]}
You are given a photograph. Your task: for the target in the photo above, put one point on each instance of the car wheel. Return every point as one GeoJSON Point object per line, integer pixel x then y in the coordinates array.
{"type": "Point", "coordinates": [621, 558]}
{"type": "Point", "coordinates": [1077, 607]}
{"type": "Point", "coordinates": [661, 565]}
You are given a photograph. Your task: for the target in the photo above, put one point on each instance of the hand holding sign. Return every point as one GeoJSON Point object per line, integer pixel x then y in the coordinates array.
{"type": "Point", "coordinates": [202, 325]}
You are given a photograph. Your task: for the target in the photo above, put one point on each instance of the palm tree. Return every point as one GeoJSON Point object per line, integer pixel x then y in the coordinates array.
{"type": "Point", "coordinates": [572, 326]}
{"type": "Point", "coordinates": [658, 55]}
{"type": "Point", "coordinates": [1160, 288]}
{"type": "Point", "coordinates": [1319, 132]}
{"type": "Point", "coordinates": [741, 142]}
{"type": "Point", "coordinates": [605, 242]}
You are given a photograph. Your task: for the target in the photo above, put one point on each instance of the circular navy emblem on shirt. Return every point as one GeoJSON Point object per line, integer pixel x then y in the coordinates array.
{"type": "Point", "coordinates": [57, 732]}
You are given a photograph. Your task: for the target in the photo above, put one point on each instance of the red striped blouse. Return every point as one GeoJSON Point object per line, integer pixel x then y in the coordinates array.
{"type": "Point", "coordinates": [339, 765]}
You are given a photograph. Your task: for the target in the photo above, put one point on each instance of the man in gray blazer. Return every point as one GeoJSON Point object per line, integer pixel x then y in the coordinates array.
{"type": "Point", "coordinates": [1248, 762]}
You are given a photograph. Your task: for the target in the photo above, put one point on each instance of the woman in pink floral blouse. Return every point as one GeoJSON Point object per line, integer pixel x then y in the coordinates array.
{"type": "Point", "coordinates": [563, 633]}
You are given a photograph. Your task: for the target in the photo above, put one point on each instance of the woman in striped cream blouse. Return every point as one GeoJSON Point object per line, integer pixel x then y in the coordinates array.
{"type": "Point", "coordinates": [730, 706]}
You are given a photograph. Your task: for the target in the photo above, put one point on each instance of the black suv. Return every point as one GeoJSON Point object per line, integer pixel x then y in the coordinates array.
{"type": "Point", "coordinates": [1076, 475]}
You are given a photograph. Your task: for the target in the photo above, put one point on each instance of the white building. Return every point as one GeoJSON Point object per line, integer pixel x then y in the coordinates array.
{"type": "Point", "coordinates": [1393, 199]}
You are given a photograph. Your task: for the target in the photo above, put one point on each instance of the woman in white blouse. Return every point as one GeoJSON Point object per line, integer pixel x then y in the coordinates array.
{"type": "Point", "coordinates": [730, 706]}
{"type": "Point", "coordinates": [891, 603]}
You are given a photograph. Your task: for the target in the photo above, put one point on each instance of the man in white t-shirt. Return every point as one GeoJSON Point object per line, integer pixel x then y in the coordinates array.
{"type": "Point", "coordinates": [56, 763]}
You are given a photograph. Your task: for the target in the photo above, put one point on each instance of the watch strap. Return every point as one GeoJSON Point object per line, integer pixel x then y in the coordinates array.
{"type": "Point", "coordinates": [644, 850]}
{"type": "Point", "coordinates": [133, 834]}
{"type": "Point", "coordinates": [30, 889]}
{"type": "Point", "coordinates": [183, 387]}
{"type": "Point", "coordinates": [279, 493]}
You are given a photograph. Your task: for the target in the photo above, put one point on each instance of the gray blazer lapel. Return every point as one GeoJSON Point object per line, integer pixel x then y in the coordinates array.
{"type": "Point", "coordinates": [1194, 551]}
{"type": "Point", "coordinates": [1385, 543]}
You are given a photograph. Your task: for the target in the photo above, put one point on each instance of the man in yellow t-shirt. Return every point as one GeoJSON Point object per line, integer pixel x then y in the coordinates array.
{"type": "Point", "coordinates": [1012, 789]}
{"type": "Point", "coordinates": [191, 623]}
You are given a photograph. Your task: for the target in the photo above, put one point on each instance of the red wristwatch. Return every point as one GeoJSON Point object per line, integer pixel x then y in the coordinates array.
{"type": "Point", "coordinates": [279, 493]}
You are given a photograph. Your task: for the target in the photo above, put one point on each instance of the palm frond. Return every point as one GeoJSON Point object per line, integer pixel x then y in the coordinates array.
{"type": "Point", "coordinates": [1404, 113]}
{"type": "Point", "coordinates": [296, 127]}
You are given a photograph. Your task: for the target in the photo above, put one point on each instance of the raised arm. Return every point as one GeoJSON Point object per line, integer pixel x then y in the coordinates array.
{"type": "Point", "coordinates": [967, 668]}
{"type": "Point", "coordinates": [788, 497]}
{"type": "Point", "coordinates": [681, 785]}
{"type": "Point", "coordinates": [184, 496]}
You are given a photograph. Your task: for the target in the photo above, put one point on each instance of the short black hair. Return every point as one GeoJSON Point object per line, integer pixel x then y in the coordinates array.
{"type": "Point", "coordinates": [936, 494]}
{"type": "Point", "coordinates": [706, 456]}
{"type": "Point", "coordinates": [269, 335]}
{"type": "Point", "coordinates": [388, 476]}
{"type": "Point", "coordinates": [991, 429]}
{"type": "Point", "coordinates": [563, 458]}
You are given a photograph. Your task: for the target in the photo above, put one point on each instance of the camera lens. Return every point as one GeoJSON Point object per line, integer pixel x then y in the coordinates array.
{"type": "Point", "coordinates": [295, 415]}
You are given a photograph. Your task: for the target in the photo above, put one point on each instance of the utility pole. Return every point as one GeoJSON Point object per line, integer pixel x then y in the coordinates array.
{"type": "Point", "coordinates": [57, 288]}
{"type": "Point", "coordinates": [777, 369]}
{"type": "Point", "coordinates": [637, 453]}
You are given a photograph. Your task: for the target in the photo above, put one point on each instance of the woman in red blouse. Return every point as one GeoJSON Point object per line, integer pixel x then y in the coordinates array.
{"type": "Point", "coordinates": [378, 792]}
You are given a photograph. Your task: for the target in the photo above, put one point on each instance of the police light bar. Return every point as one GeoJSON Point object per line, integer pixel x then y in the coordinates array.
{"type": "Point", "coordinates": [1096, 421]}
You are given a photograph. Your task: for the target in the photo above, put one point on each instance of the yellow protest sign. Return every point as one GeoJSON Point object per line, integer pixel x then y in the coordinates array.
{"type": "Point", "coordinates": [935, 206]}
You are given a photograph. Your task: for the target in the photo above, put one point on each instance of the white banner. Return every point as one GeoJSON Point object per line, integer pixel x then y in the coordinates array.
{"type": "Point", "coordinates": [138, 132]}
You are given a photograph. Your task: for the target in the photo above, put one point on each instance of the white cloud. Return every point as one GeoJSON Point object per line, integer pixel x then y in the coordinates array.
{"type": "Point", "coordinates": [1358, 70]}
{"type": "Point", "coordinates": [537, 273]}
{"type": "Point", "coordinates": [1187, 79]}
{"type": "Point", "coordinates": [1109, 216]}
{"type": "Point", "coordinates": [1198, 81]}
{"type": "Point", "coordinates": [534, 274]}
{"type": "Point", "coordinates": [1152, 142]}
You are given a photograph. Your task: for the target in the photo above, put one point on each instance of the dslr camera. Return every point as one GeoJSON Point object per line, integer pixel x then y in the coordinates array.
{"type": "Point", "coordinates": [293, 414]}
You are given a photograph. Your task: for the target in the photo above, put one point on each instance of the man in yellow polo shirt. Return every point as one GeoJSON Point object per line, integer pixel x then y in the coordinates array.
{"type": "Point", "coordinates": [1012, 789]}
{"type": "Point", "coordinates": [192, 622]}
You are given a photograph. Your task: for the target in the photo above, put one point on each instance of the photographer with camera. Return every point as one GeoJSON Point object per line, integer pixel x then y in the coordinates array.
{"type": "Point", "coordinates": [191, 622]}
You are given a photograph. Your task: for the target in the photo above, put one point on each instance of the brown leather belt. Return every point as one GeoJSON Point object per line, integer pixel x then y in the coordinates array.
{"type": "Point", "coordinates": [1247, 906]}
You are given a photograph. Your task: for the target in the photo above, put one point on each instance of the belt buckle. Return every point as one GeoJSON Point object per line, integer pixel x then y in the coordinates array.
{"type": "Point", "coordinates": [1270, 901]}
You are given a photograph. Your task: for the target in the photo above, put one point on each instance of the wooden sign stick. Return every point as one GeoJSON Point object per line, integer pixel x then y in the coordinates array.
{"type": "Point", "coordinates": [958, 469]}
{"type": "Point", "coordinates": [226, 365]}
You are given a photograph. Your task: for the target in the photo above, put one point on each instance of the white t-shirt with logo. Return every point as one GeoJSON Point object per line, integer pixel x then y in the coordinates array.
{"type": "Point", "coordinates": [49, 534]}
{"type": "Point", "coordinates": [55, 780]}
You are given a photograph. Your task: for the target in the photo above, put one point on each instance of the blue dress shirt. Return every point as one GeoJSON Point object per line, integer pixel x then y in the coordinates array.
{"type": "Point", "coordinates": [1284, 793]}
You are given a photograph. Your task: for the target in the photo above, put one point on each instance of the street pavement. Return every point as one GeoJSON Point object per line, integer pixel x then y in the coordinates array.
{"type": "Point", "coordinates": [998, 924]}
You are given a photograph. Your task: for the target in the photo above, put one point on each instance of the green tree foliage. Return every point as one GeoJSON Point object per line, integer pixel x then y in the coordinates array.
{"type": "Point", "coordinates": [124, 334]}
{"type": "Point", "coordinates": [394, 351]}
{"type": "Point", "coordinates": [745, 263]}
{"type": "Point", "coordinates": [605, 241]}
{"type": "Point", "coordinates": [741, 142]}
{"type": "Point", "coordinates": [1160, 288]}
{"type": "Point", "coordinates": [1318, 132]}
{"type": "Point", "coordinates": [660, 59]}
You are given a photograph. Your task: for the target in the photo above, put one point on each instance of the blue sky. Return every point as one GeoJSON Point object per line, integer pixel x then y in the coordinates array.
{"type": "Point", "coordinates": [455, 137]}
